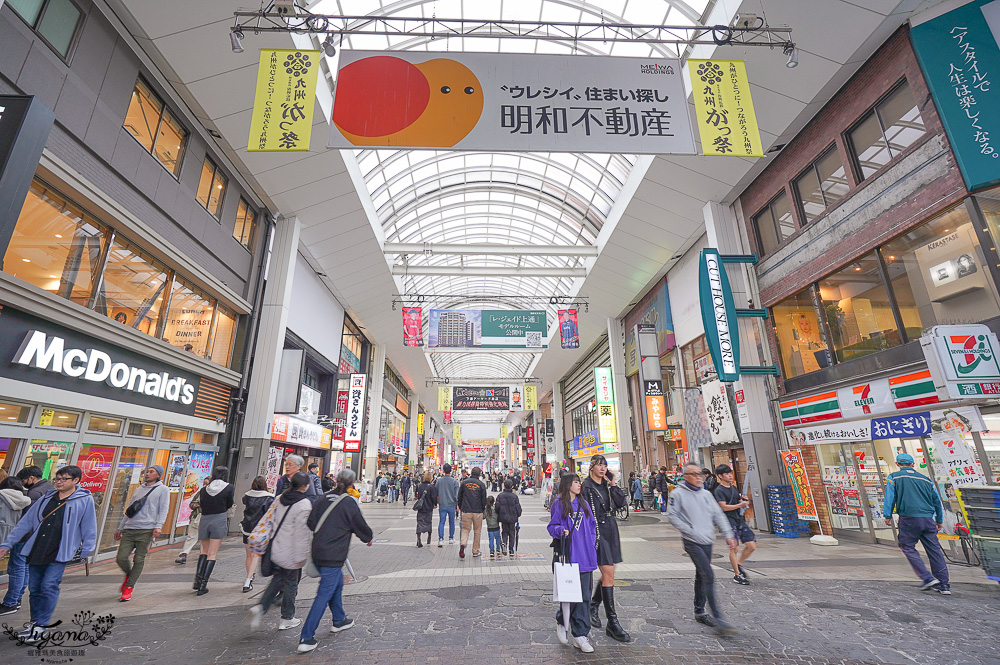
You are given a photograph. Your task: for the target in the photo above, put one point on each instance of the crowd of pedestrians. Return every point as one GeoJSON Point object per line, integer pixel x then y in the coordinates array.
{"type": "Point", "coordinates": [309, 522]}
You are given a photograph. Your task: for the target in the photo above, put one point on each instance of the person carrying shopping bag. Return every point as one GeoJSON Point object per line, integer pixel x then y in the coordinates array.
{"type": "Point", "coordinates": [572, 522]}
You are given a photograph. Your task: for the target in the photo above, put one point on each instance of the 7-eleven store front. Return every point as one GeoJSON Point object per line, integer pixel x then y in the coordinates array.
{"type": "Point", "coordinates": [850, 449]}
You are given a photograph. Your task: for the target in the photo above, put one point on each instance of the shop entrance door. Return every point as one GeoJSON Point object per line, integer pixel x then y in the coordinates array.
{"type": "Point", "coordinates": [127, 477]}
{"type": "Point", "coordinates": [870, 490]}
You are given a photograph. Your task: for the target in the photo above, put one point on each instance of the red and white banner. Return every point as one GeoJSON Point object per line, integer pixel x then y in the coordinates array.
{"type": "Point", "coordinates": [340, 424]}
{"type": "Point", "coordinates": [447, 417]}
{"type": "Point", "coordinates": [413, 326]}
{"type": "Point", "coordinates": [569, 329]}
{"type": "Point", "coordinates": [531, 440]}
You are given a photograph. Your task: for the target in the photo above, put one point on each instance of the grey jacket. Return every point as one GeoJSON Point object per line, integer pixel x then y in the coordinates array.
{"type": "Point", "coordinates": [447, 491]}
{"type": "Point", "coordinates": [12, 504]}
{"type": "Point", "coordinates": [696, 514]}
{"type": "Point", "coordinates": [153, 513]}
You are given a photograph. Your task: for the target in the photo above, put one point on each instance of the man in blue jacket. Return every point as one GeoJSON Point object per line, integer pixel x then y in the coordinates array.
{"type": "Point", "coordinates": [56, 526]}
{"type": "Point", "coordinates": [913, 496]}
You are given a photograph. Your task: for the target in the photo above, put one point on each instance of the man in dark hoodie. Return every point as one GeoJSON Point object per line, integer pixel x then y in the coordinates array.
{"type": "Point", "coordinates": [34, 482]}
{"type": "Point", "coordinates": [53, 529]}
{"type": "Point", "coordinates": [334, 518]}
{"type": "Point", "coordinates": [472, 503]}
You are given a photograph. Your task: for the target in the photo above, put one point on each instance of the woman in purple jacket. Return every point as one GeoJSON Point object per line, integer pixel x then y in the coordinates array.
{"type": "Point", "coordinates": [572, 521]}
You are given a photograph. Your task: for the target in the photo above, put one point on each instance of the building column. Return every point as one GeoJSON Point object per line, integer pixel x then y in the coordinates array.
{"type": "Point", "coordinates": [256, 435]}
{"type": "Point", "coordinates": [558, 418]}
{"type": "Point", "coordinates": [411, 457]}
{"type": "Point", "coordinates": [616, 344]}
{"type": "Point", "coordinates": [757, 429]}
{"type": "Point", "coordinates": [376, 378]}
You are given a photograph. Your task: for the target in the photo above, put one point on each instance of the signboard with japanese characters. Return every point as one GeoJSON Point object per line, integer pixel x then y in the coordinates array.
{"type": "Point", "coordinates": [959, 54]}
{"type": "Point", "coordinates": [283, 106]}
{"type": "Point", "coordinates": [510, 102]}
{"type": "Point", "coordinates": [962, 360]}
{"type": "Point", "coordinates": [444, 398]}
{"type": "Point", "coordinates": [656, 406]}
{"type": "Point", "coordinates": [413, 326]}
{"type": "Point", "coordinates": [300, 432]}
{"type": "Point", "coordinates": [531, 398]}
{"type": "Point", "coordinates": [420, 424]}
{"type": "Point", "coordinates": [727, 123]}
{"type": "Point", "coordinates": [910, 424]}
{"type": "Point", "coordinates": [805, 506]}
{"type": "Point", "coordinates": [720, 416]}
{"type": "Point", "coordinates": [718, 314]}
{"type": "Point", "coordinates": [481, 399]}
{"type": "Point", "coordinates": [355, 414]}
{"type": "Point", "coordinates": [465, 328]}
{"type": "Point", "coordinates": [607, 427]}
{"type": "Point", "coordinates": [858, 430]}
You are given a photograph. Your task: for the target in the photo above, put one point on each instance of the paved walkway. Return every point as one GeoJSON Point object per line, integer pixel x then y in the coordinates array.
{"type": "Point", "coordinates": [846, 604]}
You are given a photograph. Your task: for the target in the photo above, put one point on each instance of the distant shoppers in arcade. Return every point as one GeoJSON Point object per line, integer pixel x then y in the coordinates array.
{"type": "Point", "coordinates": [404, 486]}
{"type": "Point", "coordinates": [140, 525]}
{"type": "Point", "coordinates": [216, 499]}
{"type": "Point", "coordinates": [255, 504]}
{"type": "Point", "coordinates": [55, 528]}
{"type": "Point", "coordinates": [600, 492]}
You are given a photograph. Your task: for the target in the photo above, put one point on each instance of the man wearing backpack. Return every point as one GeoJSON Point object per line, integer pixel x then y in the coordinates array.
{"type": "Point", "coordinates": [140, 525]}
{"type": "Point", "coordinates": [508, 508]}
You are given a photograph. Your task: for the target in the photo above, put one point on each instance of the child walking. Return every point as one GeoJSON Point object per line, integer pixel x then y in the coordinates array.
{"type": "Point", "coordinates": [492, 525]}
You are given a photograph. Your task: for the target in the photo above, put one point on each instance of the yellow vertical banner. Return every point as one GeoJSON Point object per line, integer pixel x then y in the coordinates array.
{"type": "Point", "coordinates": [531, 398]}
{"type": "Point", "coordinates": [727, 123]}
{"type": "Point", "coordinates": [456, 432]}
{"type": "Point", "coordinates": [444, 399]}
{"type": "Point", "coordinates": [284, 101]}
{"type": "Point", "coordinates": [503, 431]}
{"type": "Point", "coordinates": [420, 424]}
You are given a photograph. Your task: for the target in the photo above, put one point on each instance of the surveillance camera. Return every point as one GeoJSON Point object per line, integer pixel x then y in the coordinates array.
{"type": "Point", "coordinates": [284, 6]}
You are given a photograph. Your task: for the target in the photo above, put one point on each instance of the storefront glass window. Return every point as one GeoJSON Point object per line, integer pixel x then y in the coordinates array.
{"type": "Point", "coordinates": [49, 456]}
{"type": "Point", "coordinates": [774, 223]}
{"type": "Point", "coordinates": [939, 276]}
{"type": "Point", "coordinates": [858, 311]}
{"type": "Point", "coordinates": [128, 477]}
{"type": "Point", "coordinates": [203, 437]}
{"type": "Point", "coordinates": [189, 319]}
{"type": "Point", "coordinates": [223, 337]}
{"type": "Point", "coordinates": [885, 131]}
{"type": "Point", "coordinates": [14, 413]}
{"type": "Point", "coordinates": [104, 425]}
{"type": "Point", "coordinates": [821, 185]}
{"type": "Point", "coordinates": [55, 245]}
{"type": "Point", "coordinates": [141, 429]}
{"type": "Point", "coordinates": [55, 418]}
{"type": "Point", "coordinates": [7, 449]}
{"type": "Point", "coordinates": [172, 434]}
{"type": "Point", "coordinates": [800, 338]}
{"type": "Point", "coordinates": [133, 288]}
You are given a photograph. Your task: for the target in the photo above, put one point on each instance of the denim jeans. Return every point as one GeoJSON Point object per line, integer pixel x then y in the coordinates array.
{"type": "Point", "coordinates": [331, 584]}
{"type": "Point", "coordinates": [17, 580]}
{"type": "Point", "coordinates": [494, 540]}
{"type": "Point", "coordinates": [579, 613]}
{"type": "Point", "coordinates": [923, 530]}
{"type": "Point", "coordinates": [286, 583]}
{"type": "Point", "coordinates": [43, 591]}
{"type": "Point", "coordinates": [704, 578]}
{"type": "Point", "coordinates": [449, 512]}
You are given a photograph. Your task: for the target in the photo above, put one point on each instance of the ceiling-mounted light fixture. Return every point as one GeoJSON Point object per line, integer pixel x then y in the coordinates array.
{"type": "Point", "coordinates": [236, 37]}
{"type": "Point", "coordinates": [328, 47]}
{"type": "Point", "coordinates": [793, 56]}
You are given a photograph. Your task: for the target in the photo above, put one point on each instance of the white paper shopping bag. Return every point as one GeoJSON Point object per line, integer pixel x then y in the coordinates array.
{"type": "Point", "coordinates": [566, 583]}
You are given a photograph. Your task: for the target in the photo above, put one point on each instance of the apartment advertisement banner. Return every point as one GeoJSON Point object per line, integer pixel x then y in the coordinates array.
{"type": "Point", "coordinates": [569, 329]}
{"type": "Point", "coordinates": [481, 399]}
{"type": "Point", "coordinates": [283, 105]}
{"type": "Point", "coordinates": [496, 329]}
{"type": "Point", "coordinates": [510, 102]}
{"type": "Point", "coordinates": [413, 326]}
{"type": "Point", "coordinates": [355, 414]}
{"type": "Point", "coordinates": [727, 123]}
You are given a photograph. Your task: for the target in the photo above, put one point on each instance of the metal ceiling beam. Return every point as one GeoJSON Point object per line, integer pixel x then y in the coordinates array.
{"type": "Point", "coordinates": [488, 248]}
{"type": "Point", "coordinates": [489, 271]}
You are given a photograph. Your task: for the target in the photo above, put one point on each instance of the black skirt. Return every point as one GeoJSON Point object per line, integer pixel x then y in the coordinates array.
{"type": "Point", "coordinates": [609, 546]}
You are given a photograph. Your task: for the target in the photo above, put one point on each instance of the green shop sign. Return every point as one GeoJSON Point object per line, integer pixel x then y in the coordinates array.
{"type": "Point", "coordinates": [960, 57]}
{"type": "Point", "coordinates": [487, 328]}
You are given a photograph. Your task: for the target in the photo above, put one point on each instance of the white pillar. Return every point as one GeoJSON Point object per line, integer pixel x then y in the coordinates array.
{"type": "Point", "coordinates": [759, 441]}
{"type": "Point", "coordinates": [376, 377]}
{"type": "Point", "coordinates": [616, 344]}
{"type": "Point", "coordinates": [411, 457]}
{"type": "Point", "coordinates": [559, 419]}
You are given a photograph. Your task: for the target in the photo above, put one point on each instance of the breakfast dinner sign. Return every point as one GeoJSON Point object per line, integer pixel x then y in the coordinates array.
{"type": "Point", "coordinates": [510, 102]}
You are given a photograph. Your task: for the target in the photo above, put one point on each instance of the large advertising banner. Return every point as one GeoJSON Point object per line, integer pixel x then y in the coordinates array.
{"type": "Point", "coordinates": [283, 105]}
{"type": "Point", "coordinates": [198, 469]}
{"type": "Point", "coordinates": [510, 102]}
{"type": "Point", "coordinates": [413, 326]}
{"type": "Point", "coordinates": [496, 329]}
{"type": "Point", "coordinates": [727, 123]}
{"type": "Point", "coordinates": [480, 399]}
{"type": "Point", "coordinates": [804, 503]}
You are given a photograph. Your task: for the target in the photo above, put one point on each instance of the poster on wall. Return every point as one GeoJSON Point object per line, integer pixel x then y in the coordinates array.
{"type": "Point", "coordinates": [569, 329]}
{"type": "Point", "coordinates": [720, 415]}
{"type": "Point", "coordinates": [804, 504]}
{"type": "Point", "coordinates": [175, 471]}
{"type": "Point", "coordinates": [96, 468]}
{"type": "Point", "coordinates": [852, 502]}
{"type": "Point", "coordinates": [272, 467]}
{"type": "Point", "coordinates": [199, 468]}
{"type": "Point", "coordinates": [413, 326]}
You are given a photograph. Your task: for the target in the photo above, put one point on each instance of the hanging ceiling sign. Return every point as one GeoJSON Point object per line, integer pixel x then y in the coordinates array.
{"type": "Point", "coordinates": [531, 398]}
{"type": "Point", "coordinates": [420, 424]}
{"type": "Point", "coordinates": [656, 406]}
{"type": "Point", "coordinates": [510, 102]}
{"type": "Point", "coordinates": [569, 329]}
{"type": "Point", "coordinates": [486, 329]}
{"type": "Point", "coordinates": [283, 105]}
{"type": "Point", "coordinates": [718, 314]}
{"type": "Point", "coordinates": [607, 429]}
{"type": "Point", "coordinates": [727, 123]}
{"type": "Point", "coordinates": [413, 326]}
{"type": "Point", "coordinates": [481, 399]}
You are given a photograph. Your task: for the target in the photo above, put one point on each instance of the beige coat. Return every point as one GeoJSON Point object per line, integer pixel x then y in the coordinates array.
{"type": "Point", "coordinates": [290, 548]}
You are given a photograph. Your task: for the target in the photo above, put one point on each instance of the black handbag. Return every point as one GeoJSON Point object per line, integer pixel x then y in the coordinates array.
{"type": "Point", "coordinates": [134, 507]}
{"type": "Point", "coordinates": [266, 565]}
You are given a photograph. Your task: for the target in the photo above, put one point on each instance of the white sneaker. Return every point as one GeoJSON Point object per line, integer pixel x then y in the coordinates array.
{"type": "Point", "coordinates": [256, 614]}
{"type": "Point", "coordinates": [583, 644]}
{"type": "Point", "coordinates": [285, 624]}
{"type": "Point", "coordinates": [347, 623]}
{"type": "Point", "coordinates": [561, 634]}
{"type": "Point", "coordinates": [451, 541]}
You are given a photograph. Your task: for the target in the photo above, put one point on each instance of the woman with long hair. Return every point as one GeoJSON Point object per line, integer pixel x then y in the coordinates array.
{"type": "Point", "coordinates": [597, 492]}
{"type": "Point", "coordinates": [255, 505]}
{"type": "Point", "coordinates": [572, 521]}
{"type": "Point", "coordinates": [425, 516]}
{"type": "Point", "coordinates": [215, 499]}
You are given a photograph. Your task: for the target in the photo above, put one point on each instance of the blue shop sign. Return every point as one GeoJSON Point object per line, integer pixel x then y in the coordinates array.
{"type": "Point", "coordinates": [912, 424]}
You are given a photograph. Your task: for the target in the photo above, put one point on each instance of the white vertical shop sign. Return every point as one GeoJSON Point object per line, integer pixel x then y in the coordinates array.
{"type": "Point", "coordinates": [355, 414]}
{"type": "Point", "coordinates": [720, 416]}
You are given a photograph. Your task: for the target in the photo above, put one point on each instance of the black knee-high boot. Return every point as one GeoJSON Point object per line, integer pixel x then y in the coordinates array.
{"type": "Point", "coordinates": [595, 606]}
{"type": "Point", "coordinates": [199, 572]}
{"type": "Point", "coordinates": [209, 567]}
{"type": "Point", "coordinates": [614, 629]}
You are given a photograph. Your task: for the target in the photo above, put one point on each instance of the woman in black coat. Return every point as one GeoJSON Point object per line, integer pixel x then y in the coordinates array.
{"type": "Point", "coordinates": [597, 492]}
{"type": "Point", "coordinates": [425, 515]}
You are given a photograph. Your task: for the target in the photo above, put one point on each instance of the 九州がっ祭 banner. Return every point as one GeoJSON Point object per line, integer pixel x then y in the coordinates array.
{"type": "Point", "coordinates": [510, 102]}
{"type": "Point", "coordinates": [283, 104]}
